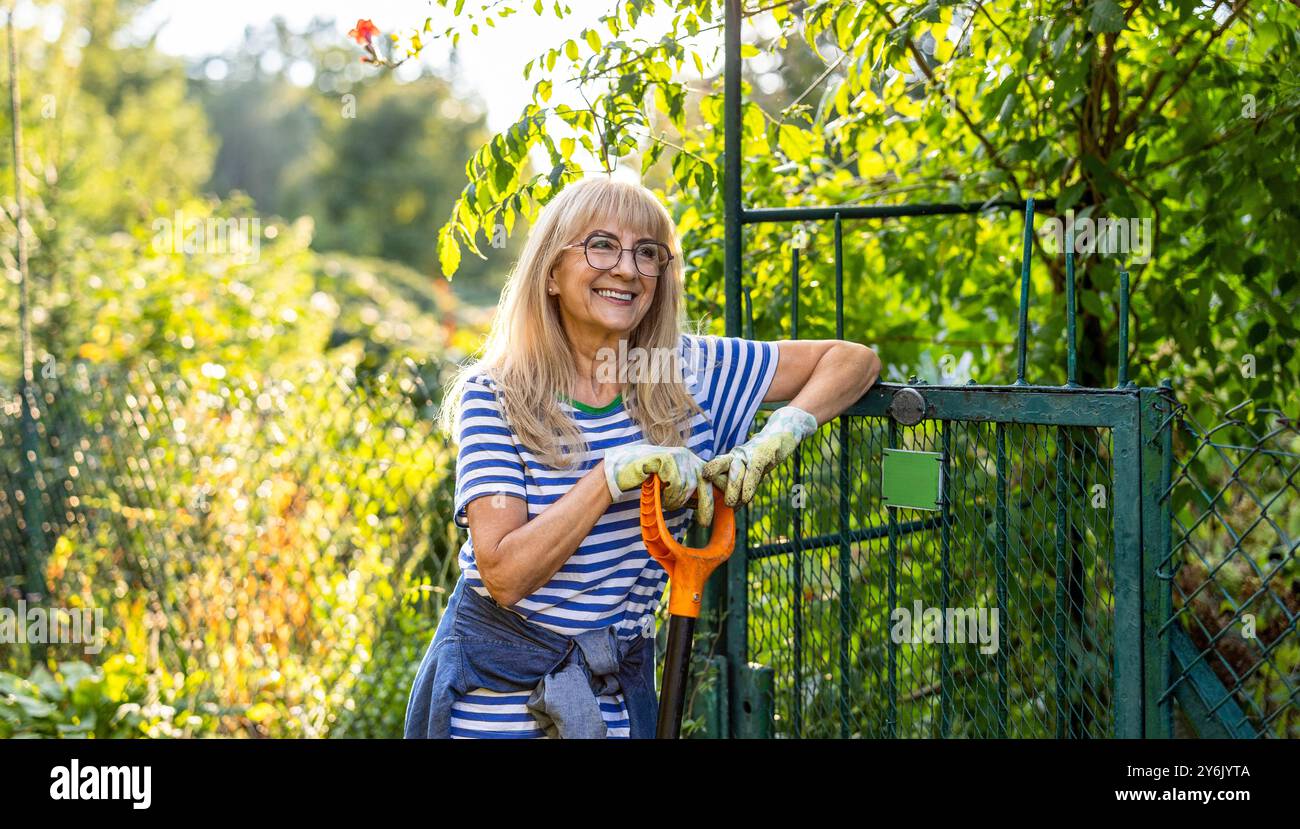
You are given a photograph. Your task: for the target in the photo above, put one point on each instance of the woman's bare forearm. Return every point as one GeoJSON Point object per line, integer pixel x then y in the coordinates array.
{"type": "Point", "coordinates": [528, 556]}
{"type": "Point", "coordinates": [840, 378]}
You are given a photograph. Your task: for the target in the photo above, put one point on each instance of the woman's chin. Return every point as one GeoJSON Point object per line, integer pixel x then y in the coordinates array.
{"type": "Point", "coordinates": [618, 323]}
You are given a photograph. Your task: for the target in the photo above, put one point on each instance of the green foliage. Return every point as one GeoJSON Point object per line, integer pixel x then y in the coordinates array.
{"type": "Point", "coordinates": [377, 706]}
{"type": "Point", "coordinates": [388, 174]}
{"type": "Point", "coordinates": [247, 536]}
{"type": "Point", "coordinates": [108, 701]}
{"type": "Point", "coordinates": [1175, 112]}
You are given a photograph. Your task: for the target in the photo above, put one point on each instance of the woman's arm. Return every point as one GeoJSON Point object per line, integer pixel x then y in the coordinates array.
{"type": "Point", "coordinates": [516, 556]}
{"type": "Point", "coordinates": [824, 377]}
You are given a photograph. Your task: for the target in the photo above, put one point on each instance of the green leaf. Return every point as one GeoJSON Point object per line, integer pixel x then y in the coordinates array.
{"type": "Point", "coordinates": [1106, 17]}
{"type": "Point", "coordinates": [1063, 39]}
{"type": "Point", "coordinates": [1008, 106]}
{"type": "Point", "coordinates": [501, 176]}
{"type": "Point", "coordinates": [1269, 35]}
{"type": "Point", "coordinates": [448, 251]}
{"type": "Point", "coordinates": [1091, 303]}
{"type": "Point", "coordinates": [554, 178]}
{"type": "Point", "coordinates": [796, 142]}
{"type": "Point", "coordinates": [706, 180]}
{"type": "Point", "coordinates": [754, 121]}
{"type": "Point", "coordinates": [1070, 196]}
{"type": "Point", "coordinates": [34, 708]}
{"type": "Point", "coordinates": [48, 685]}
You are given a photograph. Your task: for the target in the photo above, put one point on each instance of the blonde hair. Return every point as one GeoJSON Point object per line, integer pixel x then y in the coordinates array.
{"type": "Point", "coordinates": [528, 355]}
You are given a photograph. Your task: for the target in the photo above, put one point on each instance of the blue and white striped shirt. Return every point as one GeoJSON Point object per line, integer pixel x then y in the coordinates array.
{"type": "Point", "coordinates": [610, 578]}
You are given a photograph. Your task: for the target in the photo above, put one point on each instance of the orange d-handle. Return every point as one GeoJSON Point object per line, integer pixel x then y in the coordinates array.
{"type": "Point", "coordinates": [688, 568]}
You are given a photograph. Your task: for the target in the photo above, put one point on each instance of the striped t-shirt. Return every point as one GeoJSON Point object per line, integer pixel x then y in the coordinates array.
{"type": "Point", "coordinates": [610, 578]}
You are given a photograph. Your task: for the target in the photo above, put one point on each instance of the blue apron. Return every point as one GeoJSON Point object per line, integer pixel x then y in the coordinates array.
{"type": "Point", "coordinates": [480, 644]}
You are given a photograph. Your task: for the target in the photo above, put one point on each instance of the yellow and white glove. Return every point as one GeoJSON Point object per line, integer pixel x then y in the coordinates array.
{"type": "Point", "coordinates": [627, 467]}
{"type": "Point", "coordinates": [739, 471]}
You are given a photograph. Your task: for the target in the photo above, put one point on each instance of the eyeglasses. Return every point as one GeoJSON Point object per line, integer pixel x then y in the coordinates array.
{"type": "Point", "coordinates": [603, 253]}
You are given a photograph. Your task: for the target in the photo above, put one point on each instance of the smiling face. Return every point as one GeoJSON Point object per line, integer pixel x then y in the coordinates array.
{"type": "Point", "coordinates": [598, 304]}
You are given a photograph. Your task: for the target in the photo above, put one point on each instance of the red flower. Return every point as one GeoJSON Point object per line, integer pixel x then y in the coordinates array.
{"type": "Point", "coordinates": [364, 32]}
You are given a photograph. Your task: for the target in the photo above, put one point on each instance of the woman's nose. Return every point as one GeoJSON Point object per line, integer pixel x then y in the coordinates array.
{"type": "Point", "coordinates": [626, 266]}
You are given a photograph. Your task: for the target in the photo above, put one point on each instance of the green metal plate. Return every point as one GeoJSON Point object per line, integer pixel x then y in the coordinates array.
{"type": "Point", "coordinates": [912, 480]}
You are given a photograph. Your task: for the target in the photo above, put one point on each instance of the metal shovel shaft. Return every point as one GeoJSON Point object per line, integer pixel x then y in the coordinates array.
{"type": "Point", "coordinates": [677, 662]}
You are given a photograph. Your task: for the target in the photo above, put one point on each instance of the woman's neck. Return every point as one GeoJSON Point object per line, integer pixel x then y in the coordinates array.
{"type": "Point", "coordinates": [596, 361]}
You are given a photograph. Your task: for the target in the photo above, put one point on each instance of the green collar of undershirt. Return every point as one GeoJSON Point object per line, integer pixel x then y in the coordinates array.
{"type": "Point", "coordinates": [606, 409]}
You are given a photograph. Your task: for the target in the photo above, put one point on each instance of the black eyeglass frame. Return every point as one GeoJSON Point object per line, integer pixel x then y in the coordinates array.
{"type": "Point", "coordinates": [586, 253]}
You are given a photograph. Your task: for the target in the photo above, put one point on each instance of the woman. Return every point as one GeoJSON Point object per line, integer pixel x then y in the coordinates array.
{"type": "Point", "coordinates": [588, 385]}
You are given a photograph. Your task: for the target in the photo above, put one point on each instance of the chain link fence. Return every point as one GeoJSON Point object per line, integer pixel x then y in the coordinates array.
{"type": "Point", "coordinates": [861, 635]}
{"type": "Point", "coordinates": [1235, 501]}
{"type": "Point", "coordinates": [272, 552]}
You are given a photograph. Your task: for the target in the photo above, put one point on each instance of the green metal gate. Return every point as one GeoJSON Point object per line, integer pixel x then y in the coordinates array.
{"type": "Point", "coordinates": [1040, 521]}
{"type": "Point", "coordinates": [1049, 496]}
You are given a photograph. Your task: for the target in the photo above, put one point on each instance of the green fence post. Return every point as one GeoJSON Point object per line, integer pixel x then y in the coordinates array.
{"type": "Point", "coordinates": [1026, 261]}
{"type": "Point", "coordinates": [1157, 591]}
{"type": "Point", "coordinates": [796, 532]}
{"type": "Point", "coordinates": [1065, 672]}
{"type": "Point", "coordinates": [845, 483]}
{"type": "Point", "coordinates": [755, 693]}
{"type": "Point", "coordinates": [945, 586]}
{"type": "Point", "coordinates": [1127, 500]}
{"type": "Point", "coordinates": [1000, 520]}
{"type": "Point", "coordinates": [712, 702]}
{"type": "Point", "coordinates": [736, 627]}
{"type": "Point", "coordinates": [1212, 709]}
{"type": "Point", "coordinates": [891, 718]}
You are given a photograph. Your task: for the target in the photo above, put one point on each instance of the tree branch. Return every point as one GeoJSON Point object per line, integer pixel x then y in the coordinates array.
{"type": "Point", "coordinates": [1130, 121]}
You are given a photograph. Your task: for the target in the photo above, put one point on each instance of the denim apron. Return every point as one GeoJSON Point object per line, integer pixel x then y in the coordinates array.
{"type": "Point", "coordinates": [480, 644]}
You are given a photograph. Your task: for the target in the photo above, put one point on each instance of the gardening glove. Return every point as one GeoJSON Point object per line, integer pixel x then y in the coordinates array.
{"type": "Point", "coordinates": [627, 467]}
{"type": "Point", "coordinates": [739, 471]}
